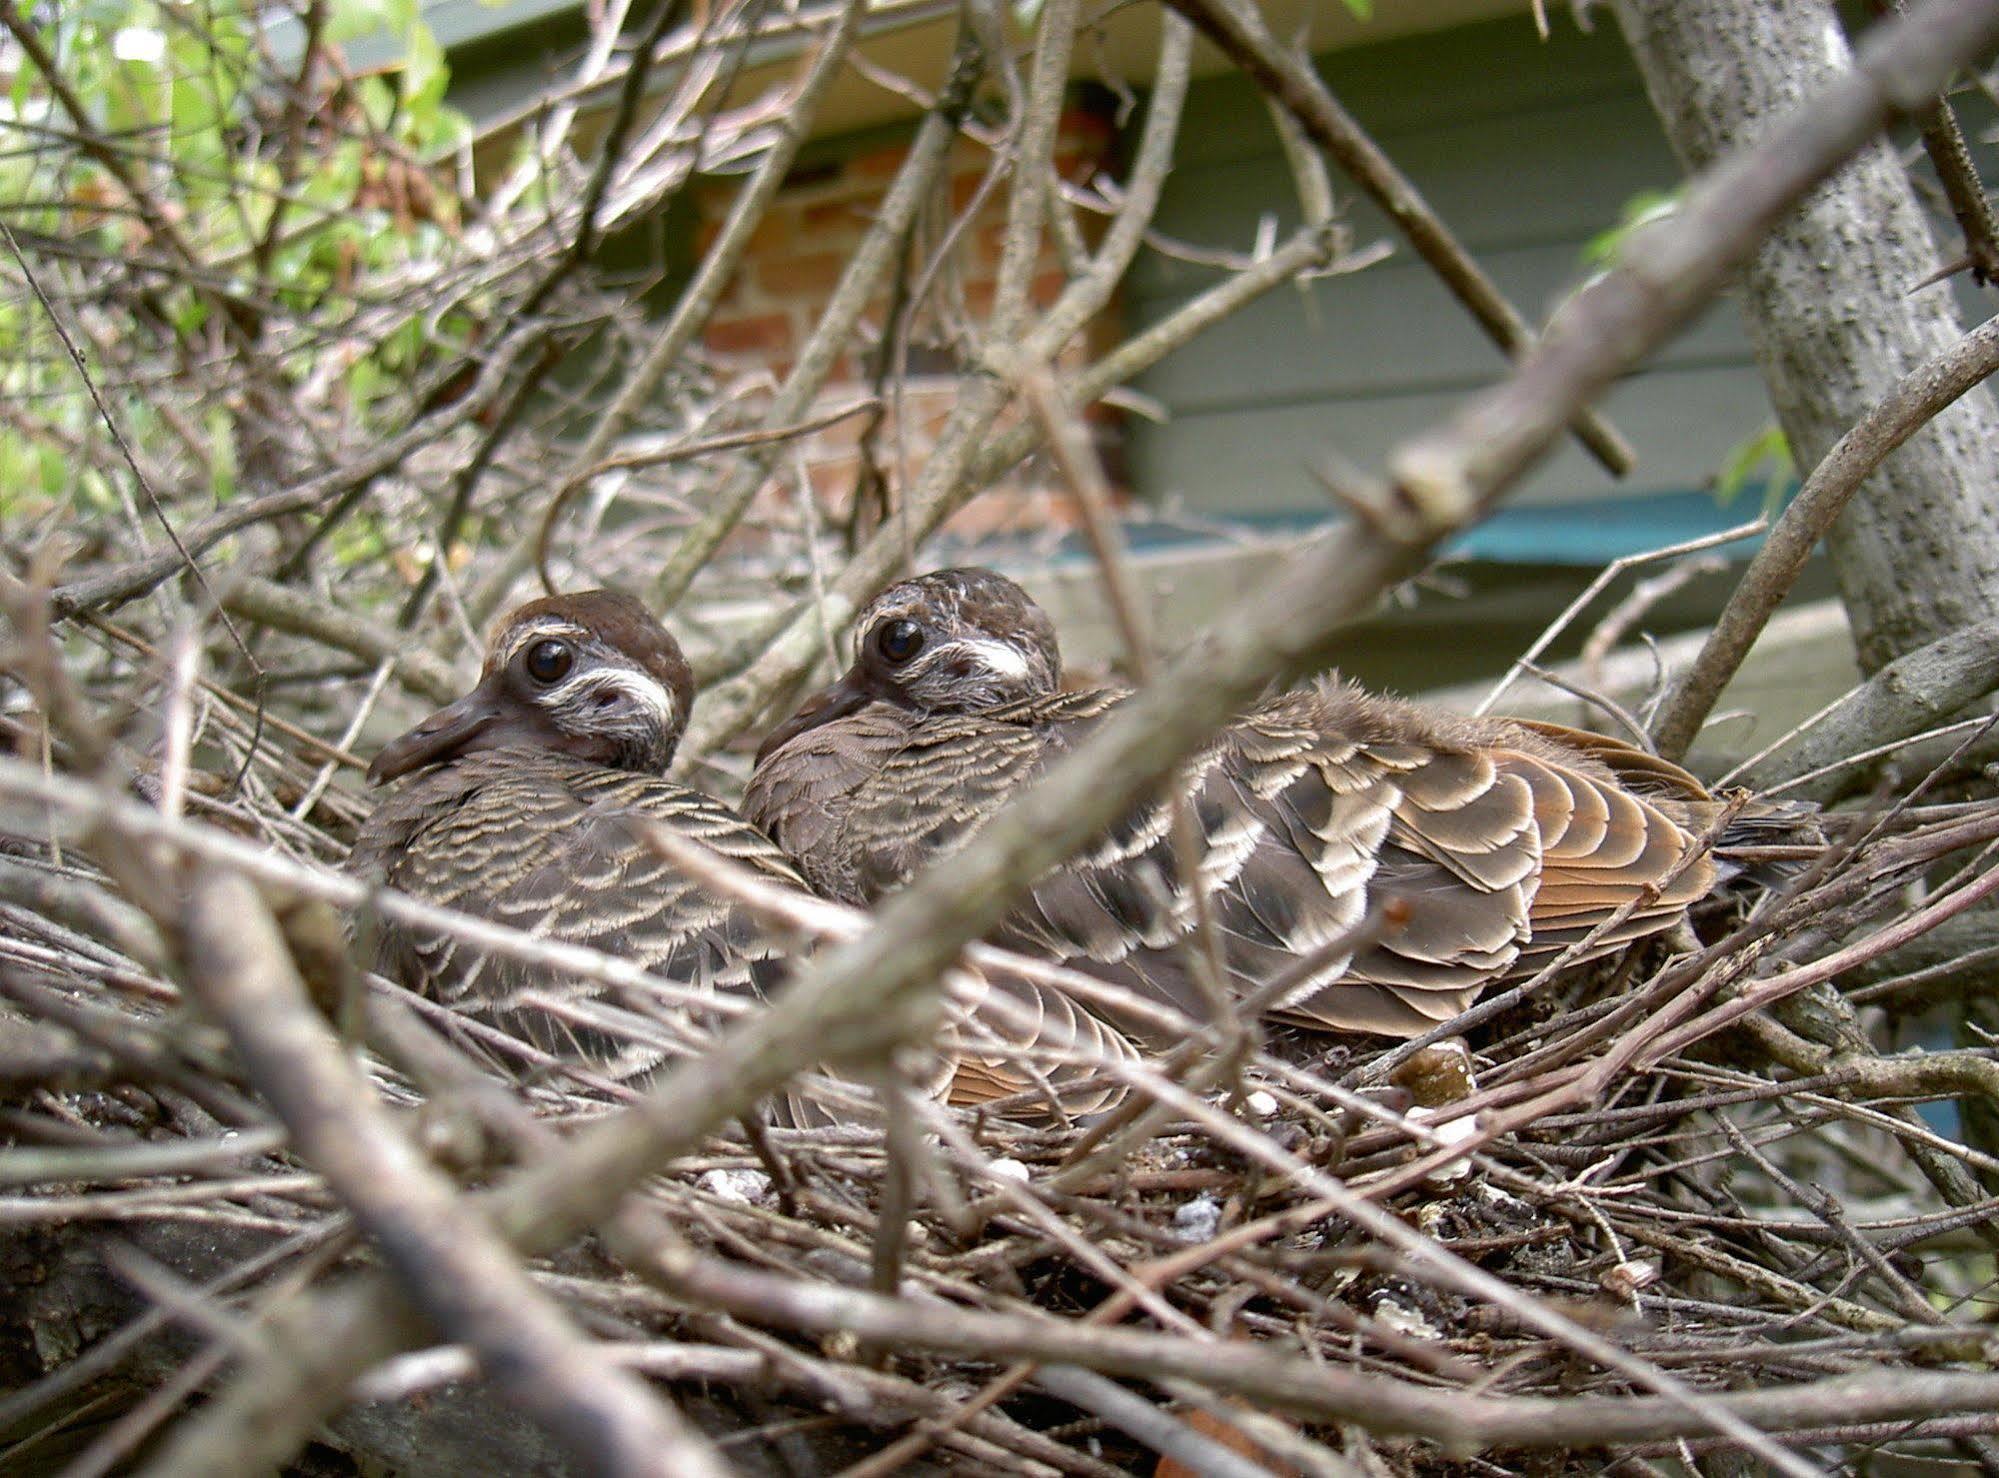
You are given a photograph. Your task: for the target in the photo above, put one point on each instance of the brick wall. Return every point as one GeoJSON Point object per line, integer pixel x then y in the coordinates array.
{"type": "Point", "coordinates": [794, 260]}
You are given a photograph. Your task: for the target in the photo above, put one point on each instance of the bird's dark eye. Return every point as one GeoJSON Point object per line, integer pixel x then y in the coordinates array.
{"type": "Point", "coordinates": [550, 661]}
{"type": "Point", "coordinates": [899, 640]}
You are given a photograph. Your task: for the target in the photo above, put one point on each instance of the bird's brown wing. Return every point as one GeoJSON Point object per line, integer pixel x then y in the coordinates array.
{"type": "Point", "coordinates": [1010, 1036]}
{"type": "Point", "coordinates": [556, 848]}
{"type": "Point", "coordinates": [862, 805]}
{"type": "Point", "coordinates": [1496, 846]}
{"type": "Point", "coordinates": [1323, 803]}
{"type": "Point", "coordinates": [1500, 858]}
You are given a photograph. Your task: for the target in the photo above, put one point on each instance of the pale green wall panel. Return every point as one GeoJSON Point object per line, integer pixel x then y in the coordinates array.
{"type": "Point", "coordinates": [1258, 459]}
{"type": "Point", "coordinates": [1527, 151]}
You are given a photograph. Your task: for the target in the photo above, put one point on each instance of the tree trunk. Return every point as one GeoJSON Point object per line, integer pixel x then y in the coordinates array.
{"type": "Point", "coordinates": [1834, 324]}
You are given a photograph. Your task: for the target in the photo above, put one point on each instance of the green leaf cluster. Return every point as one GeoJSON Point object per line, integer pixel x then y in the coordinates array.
{"type": "Point", "coordinates": [233, 185]}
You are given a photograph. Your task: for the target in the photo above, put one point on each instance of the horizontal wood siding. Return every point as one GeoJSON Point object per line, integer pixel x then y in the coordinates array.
{"type": "Point", "coordinates": [1528, 150]}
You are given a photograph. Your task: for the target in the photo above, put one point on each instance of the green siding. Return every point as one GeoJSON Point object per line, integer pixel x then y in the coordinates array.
{"type": "Point", "coordinates": [1527, 150]}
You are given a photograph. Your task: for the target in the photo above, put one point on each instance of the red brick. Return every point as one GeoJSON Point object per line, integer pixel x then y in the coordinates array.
{"type": "Point", "coordinates": [833, 482]}
{"type": "Point", "coordinates": [1074, 167]}
{"type": "Point", "coordinates": [963, 188]}
{"type": "Point", "coordinates": [878, 164]}
{"type": "Point", "coordinates": [1047, 287]}
{"type": "Point", "coordinates": [799, 274]}
{"type": "Point", "coordinates": [835, 219]}
{"type": "Point", "coordinates": [1085, 123]}
{"type": "Point", "coordinates": [776, 232]}
{"type": "Point", "coordinates": [762, 333]}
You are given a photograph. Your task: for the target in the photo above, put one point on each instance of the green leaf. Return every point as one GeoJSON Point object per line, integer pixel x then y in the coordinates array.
{"type": "Point", "coordinates": [350, 20]}
{"type": "Point", "coordinates": [1606, 248]}
{"type": "Point", "coordinates": [222, 465]}
{"type": "Point", "coordinates": [377, 100]}
{"type": "Point", "coordinates": [1764, 451]}
{"type": "Point", "coordinates": [425, 76]}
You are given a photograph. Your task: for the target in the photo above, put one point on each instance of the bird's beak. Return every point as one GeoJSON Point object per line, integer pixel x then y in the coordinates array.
{"type": "Point", "coordinates": [846, 696]}
{"type": "Point", "coordinates": [438, 738]}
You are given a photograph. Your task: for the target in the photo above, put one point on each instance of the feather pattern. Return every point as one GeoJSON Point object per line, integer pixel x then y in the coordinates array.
{"type": "Point", "coordinates": [529, 807]}
{"type": "Point", "coordinates": [554, 846]}
{"type": "Point", "coordinates": [1501, 843]}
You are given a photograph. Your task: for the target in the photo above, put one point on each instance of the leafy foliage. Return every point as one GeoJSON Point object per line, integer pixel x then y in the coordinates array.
{"type": "Point", "coordinates": [202, 181]}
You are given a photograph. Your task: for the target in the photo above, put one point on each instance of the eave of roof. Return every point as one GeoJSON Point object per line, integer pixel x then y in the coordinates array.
{"type": "Point", "coordinates": [913, 37]}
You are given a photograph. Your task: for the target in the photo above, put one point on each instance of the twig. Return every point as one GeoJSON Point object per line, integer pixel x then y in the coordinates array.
{"type": "Point", "coordinates": [1237, 28]}
{"type": "Point", "coordinates": [449, 1263]}
{"type": "Point", "coordinates": [1907, 697]}
{"type": "Point", "coordinates": [1449, 1418]}
{"type": "Point", "coordinates": [859, 281]}
{"type": "Point", "coordinates": [1914, 401]}
{"type": "Point", "coordinates": [284, 608]}
{"type": "Point", "coordinates": [1597, 585]}
{"type": "Point", "coordinates": [1164, 1433]}
{"type": "Point", "coordinates": [701, 294]}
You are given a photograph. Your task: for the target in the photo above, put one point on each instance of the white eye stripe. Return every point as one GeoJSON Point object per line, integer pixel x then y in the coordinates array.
{"type": "Point", "coordinates": [640, 688]}
{"type": "Point", "coordinates": [1001, 658]}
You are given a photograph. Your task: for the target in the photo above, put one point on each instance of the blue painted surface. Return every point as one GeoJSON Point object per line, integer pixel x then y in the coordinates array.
{"type": "Point", "coordinates": [1585, 534]}
{"type": "Point", "coordinates": [1595, 532]}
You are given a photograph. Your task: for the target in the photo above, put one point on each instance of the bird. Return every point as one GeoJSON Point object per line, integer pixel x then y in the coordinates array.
{"type": "Point", "coordinates": [529, 801]}
{"type": "Point", "coordinates": [1374, 865]}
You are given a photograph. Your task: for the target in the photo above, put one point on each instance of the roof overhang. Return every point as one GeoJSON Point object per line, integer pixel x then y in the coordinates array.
{"type": "Point", "coordinates": [913, 38]}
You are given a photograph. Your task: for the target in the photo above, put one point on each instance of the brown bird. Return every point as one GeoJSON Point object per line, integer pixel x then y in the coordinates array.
{"type": "Point", "coordinates": [1502, 842]}
{"type": "Point", "coordinates": [531, 809]}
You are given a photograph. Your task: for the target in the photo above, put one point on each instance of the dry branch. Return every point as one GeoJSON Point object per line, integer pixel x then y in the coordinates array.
{"type": "Point", "coordinates": [1811, 513]}
{"type": "Point", "coordinates": [1303, 1246]}
{"type": "Point", "coordinates": [448, 1263]}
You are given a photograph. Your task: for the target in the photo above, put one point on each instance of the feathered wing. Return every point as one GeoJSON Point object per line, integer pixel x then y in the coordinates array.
{"type": "Point", "coordinates": [557, 848]}
{"type": "Point", "coordinates": [1498, 845]}
{"type": "Point", "coordinates": [862, 805]}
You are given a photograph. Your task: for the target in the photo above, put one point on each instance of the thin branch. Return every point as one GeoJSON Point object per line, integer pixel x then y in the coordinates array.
{"type": "Point", "coordinates": [1910, 406]}
{"type": "Point", "coordinates": [862, 277]}
{"type": "Point", "coordinates": [1909, 696]}
{"type": "Point", "coordinates": [1237, 28]}
{"type": "Point", "coordinates": [446, 1259]}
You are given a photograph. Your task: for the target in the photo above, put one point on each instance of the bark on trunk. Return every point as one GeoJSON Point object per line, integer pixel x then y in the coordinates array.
{"type": "Point", "coordinates": [1834, 324]}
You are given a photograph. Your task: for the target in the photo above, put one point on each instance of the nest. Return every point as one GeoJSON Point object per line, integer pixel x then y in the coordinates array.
{"type": "Point", "coordinates": [1588, 1224]}
{"type": "Point", "coordinates": [286, 426]}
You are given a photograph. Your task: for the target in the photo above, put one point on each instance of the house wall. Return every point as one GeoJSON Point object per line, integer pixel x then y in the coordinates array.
{"type": "Point", "coordinates": [796, 256]}
{"type": "Point", "coordinates": [1528, 149]}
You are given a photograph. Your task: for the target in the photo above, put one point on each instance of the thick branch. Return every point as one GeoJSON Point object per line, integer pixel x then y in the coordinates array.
{"type": "Point", "coordinates": [1452, 1418]}
{"type": "Point", "coordinates": [1237, 28]}
{"type": "Point", "coordinates": [285, 608]}
{"type": "Point", "coordinates": [1911, 694]}
{"type": "Point", "coordinates": [450, 1263]}
{"type": "Point", "coordinates": [863, 994]}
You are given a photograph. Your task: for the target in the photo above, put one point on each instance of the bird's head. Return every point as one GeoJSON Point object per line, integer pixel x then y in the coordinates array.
{"type": "Point", "coordinates": [591, 675]}
{"type": "Point", "coordinates": [953, 641]}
